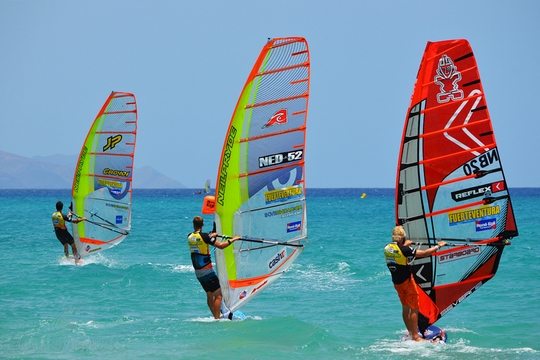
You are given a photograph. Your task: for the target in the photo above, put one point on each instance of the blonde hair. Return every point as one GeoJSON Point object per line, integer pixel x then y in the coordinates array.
{"type": "Point", "coordinates": [398, 233]}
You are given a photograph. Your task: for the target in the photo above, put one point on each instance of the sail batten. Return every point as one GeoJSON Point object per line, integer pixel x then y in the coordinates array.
{"type": "Point", "coordinates": [450, 183]}
{"type": "Point", "coordinates": [272, 134]}
{"type": "Point", "coordinates": [260, 188]}
{"type": "Point", "coordinates": [103, 177]}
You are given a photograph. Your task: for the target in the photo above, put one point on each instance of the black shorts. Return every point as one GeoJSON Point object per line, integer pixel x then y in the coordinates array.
{"type": "Point", "coordinates": [63, 236]}
{"type": "Point", "coordinates": [210, 282]}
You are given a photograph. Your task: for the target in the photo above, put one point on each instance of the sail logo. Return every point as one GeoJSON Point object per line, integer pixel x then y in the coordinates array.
{"type": "Point", "coordinates": [281, 158]}
{"type": "Point", "coordinates": [277, 259]}
{"type": "Point", "coordinates": [470, 193]}
{"type": "Point", "coordinates": [88, 250]}
{"type": "Point", "coordinates": [294, 226]}
{"type": "Point", "coordinates": [477, 191]}
{"type": "Point", "coordinates": [460, 217]}
{"type": "Point", "coordinates": [447, 78]}
{"type": "Point", "coordinates": [118, 207]}
{"type": "Point", "coordinates": [459, 254]}
{"type": "Point", "coordinates": [225, 165]}
{"type": "Point", "coordinates": [279, 118]}
{"type": "Point", "coordinates": [290, 211]}
{"type": "Point", "coordinates": [112, 141]}
{"type": "Point", "coordinates": [109, 184]}
{"type": "Point", "coordinates": [113, 172]}
{"type": "Point", "coordinates": [486, 224]}
{"type": "Point", "coordinates": [461, 298]}
{"type": "Point", "coordinates": [117, 189]}
{"type": "Point", "coordinates": [119, 219]}
{"type": "Point", "coordinates": [477, 164]}
{"type": "Point", "coordinates": [280, 195]}
{"type": "Point", "coordinates": [258, 287]}
{"type": "Point", "coordinates": [79, 169]}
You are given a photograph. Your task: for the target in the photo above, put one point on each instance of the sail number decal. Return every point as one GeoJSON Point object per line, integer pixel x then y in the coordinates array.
{"type": "Point", "coordinates": [281, 158]}
{"type": "Point", "coordinates": [481, 162]}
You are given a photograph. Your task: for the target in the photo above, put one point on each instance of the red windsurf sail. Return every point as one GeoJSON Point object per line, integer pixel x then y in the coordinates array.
{"type": "Point", "coordinates": [450, 180]}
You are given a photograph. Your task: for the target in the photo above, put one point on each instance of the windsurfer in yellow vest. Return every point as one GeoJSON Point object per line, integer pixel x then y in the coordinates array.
{"type": "Point", "coordinates": [398, 256]}
{"type": "Point", "coordinates": [199, 245]}
{"type": "Point", "coordinates": [60, 229]}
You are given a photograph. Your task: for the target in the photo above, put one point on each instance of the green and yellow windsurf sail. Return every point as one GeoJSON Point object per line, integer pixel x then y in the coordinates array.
{"type": "Point", "coordinates": [102, 183]}
{"type": "Point", "coordinates": [260, 188]}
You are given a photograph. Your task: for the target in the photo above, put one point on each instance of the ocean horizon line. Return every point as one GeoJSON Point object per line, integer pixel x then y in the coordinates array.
{"type": "Point", "coordinates": [198, 188]}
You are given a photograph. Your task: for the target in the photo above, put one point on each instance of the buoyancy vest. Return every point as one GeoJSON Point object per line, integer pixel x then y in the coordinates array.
{"type": "Point", "coordinates": [58, 221]}
{"type": "Point", "coordinates": [397, 263]}
{"type": "Point", "coordinates": [394, 255]}
{"type": "Point", "coordinates": [200, 251]}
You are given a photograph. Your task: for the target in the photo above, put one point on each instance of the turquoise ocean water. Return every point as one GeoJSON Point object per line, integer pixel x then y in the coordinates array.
{"type": "Point", "coordinates": [140, 300]}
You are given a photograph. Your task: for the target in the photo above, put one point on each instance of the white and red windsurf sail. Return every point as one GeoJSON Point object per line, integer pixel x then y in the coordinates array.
{"type": "Point", "coordinates": [450, 180]}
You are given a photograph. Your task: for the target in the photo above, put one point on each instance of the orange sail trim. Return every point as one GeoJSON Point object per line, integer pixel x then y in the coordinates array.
{"type": "Point", "coordinates": [97, 242]}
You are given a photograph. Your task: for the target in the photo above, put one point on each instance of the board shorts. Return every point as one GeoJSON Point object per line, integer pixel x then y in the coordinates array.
{"type": "Point", "coordinates": [408, 294]}
{"type": "Point", "coordinates": [210, 282]}
{"type": "Point", "coordinates": [63, 236]}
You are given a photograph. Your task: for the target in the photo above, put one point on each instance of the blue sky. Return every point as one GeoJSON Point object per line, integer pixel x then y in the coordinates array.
{"type": "Point", "coordinates": [187, 61]}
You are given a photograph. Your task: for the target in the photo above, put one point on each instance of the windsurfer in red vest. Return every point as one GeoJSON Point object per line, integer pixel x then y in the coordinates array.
{"type": "Point", "coordinates": [398, 255]}
{"type": "Point", "coordinates": [199, 245]}
{"type": "Point", "coordinates": [60, 229]}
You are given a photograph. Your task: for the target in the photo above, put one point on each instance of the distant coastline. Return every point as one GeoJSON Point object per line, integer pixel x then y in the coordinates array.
{"type": "Point", "coordinates": [56, 172]}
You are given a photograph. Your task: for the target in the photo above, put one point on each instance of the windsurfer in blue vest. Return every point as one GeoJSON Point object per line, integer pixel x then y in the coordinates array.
{"type": "Point", "coordinates": [399, 254]}
{"type": "Point", "coordinates": [60, 229]}
{"type": "Point", "coordinates": [199, 245]}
